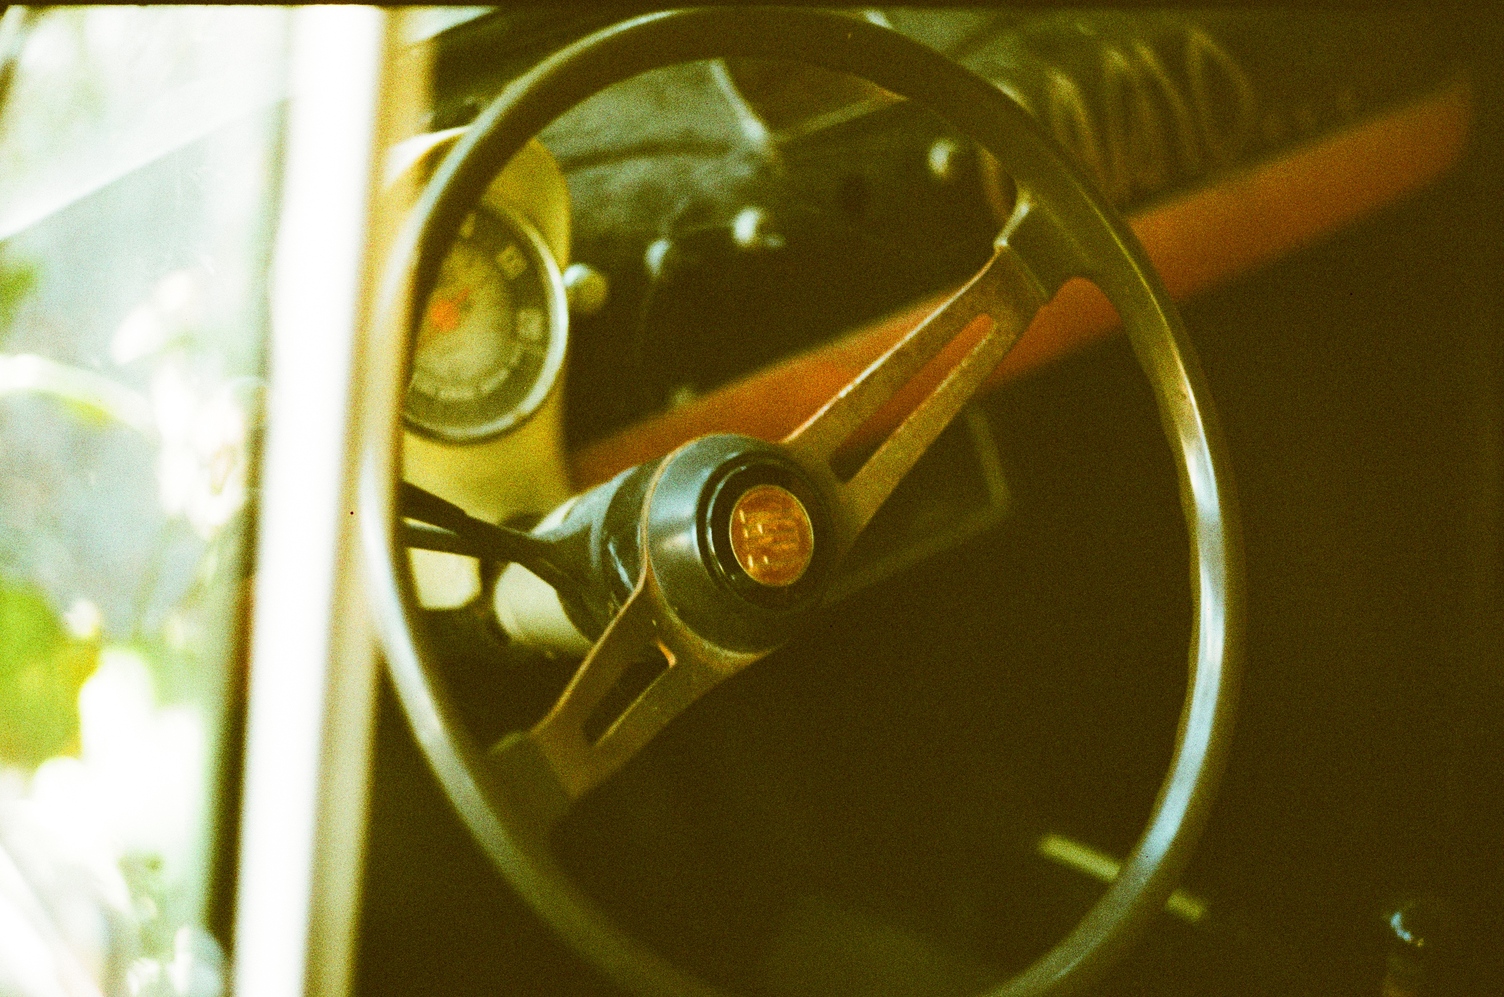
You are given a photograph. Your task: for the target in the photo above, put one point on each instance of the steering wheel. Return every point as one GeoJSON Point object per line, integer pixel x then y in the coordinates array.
{"type": "Point", "coordinates": [708, 559]}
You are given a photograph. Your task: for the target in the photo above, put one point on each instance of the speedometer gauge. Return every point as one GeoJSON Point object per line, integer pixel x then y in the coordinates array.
{"type": "Point", "coordinates": [491, 343]}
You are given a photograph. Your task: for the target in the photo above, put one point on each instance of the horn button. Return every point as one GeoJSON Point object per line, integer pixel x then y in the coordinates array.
{"type": "Point", "coordinates": [739, 540]}
{"type": "Point", "coordinates": [772, 538]}
{"type": "Point", "coordinates": [763, 524]}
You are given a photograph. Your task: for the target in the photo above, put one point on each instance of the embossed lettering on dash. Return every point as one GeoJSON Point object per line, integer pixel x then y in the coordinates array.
{"type": "Point", "coordinates": [1150, 124]}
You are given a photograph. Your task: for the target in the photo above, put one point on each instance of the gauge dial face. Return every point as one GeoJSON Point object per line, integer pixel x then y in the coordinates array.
{"type": "Point", "coordinates": [491, 341]}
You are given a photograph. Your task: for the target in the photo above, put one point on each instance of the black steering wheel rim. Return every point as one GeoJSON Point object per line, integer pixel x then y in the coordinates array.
{"type": "Point", "coordinates": [507, 816]}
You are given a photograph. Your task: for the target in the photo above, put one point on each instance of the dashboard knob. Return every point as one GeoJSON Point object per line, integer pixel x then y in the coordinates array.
{"type": "Point", "coordinates": [1413, 932]}
{"type": "Point", "coordinates": [586, 289]}
{"type": "Point", "coordinates": [942, 159]}
{"type": "Point", "coordinates": [752, 228]}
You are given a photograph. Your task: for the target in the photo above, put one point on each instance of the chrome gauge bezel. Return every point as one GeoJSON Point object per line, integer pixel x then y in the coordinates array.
{"type": "Point", "coordinates": [556, 311]}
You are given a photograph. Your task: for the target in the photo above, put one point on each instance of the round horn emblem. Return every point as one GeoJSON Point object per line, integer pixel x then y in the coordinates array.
{"type": "Point", "coordinates": [771, 536]}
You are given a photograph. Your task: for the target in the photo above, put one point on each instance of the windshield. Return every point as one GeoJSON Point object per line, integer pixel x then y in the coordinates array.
{"type": "Point", "coordinates": [138, 166]}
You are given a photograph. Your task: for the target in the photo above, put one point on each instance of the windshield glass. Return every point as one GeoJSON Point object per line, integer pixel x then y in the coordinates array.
{"type": "Point", "coordinates": [138, 166]}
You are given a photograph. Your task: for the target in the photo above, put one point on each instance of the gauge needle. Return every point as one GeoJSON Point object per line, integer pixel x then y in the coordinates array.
{"type": "Point", "coordinates": [444, 313]}
{"type": "Point", "coordinates": [1196, 242]}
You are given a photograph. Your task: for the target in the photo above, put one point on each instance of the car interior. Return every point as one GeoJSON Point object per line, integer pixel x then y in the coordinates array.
{"type": "Point", "coordinates": [925, 500]}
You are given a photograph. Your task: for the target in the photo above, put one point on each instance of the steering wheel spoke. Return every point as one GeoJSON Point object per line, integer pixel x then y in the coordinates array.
{"type": "Point", "coordinates": [985, 318]}
{"type": "Point", "coordinates": [591, 732]}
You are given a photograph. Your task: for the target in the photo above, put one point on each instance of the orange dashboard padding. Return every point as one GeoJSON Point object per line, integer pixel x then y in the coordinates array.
{"type": "Point", "coordinates": [1197, 241]}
